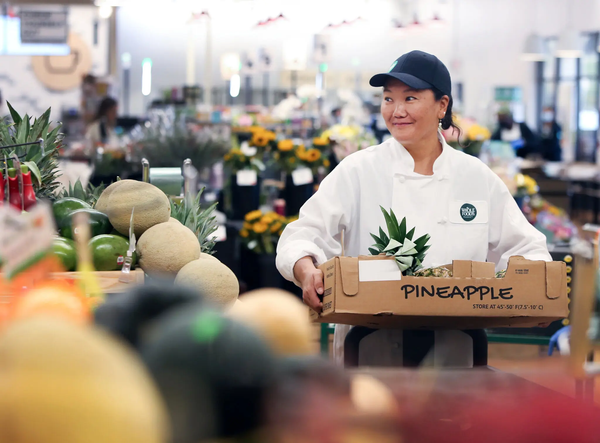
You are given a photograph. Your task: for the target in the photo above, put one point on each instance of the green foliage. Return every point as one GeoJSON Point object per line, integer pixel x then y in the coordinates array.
{"type": "Point", "coordinates": [409, 254]}
{"type": "Point", "coordinates": [43, 165]}
{"type": "Point", "coordinates": [201, 221]}
{"type": "Point", "coordinates": [90, 195]}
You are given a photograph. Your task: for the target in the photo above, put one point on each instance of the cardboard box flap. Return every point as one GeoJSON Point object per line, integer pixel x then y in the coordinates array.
{"type": "Point", "coordinates": [349, 269]}
{"type": "Point", "coordinates": [473, 269]}
{"type": "Point", "coordinates": [556, 279]}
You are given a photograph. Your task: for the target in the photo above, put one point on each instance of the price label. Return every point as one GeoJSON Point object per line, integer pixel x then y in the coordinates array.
{"type": "Point", "coordinates": [302, 176]}
{"type": "Point", "coordinates": [246, 177]}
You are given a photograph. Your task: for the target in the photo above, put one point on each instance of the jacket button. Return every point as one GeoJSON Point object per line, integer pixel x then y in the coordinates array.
{"type": "Point", "coordinates": [402, 179]}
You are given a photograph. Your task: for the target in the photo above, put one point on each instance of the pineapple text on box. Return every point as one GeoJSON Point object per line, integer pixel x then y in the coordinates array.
{"type": "Point", "coordinates": [464, 292]}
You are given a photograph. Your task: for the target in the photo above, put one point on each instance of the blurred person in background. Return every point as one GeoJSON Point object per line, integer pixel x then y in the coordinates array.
{"type": "Point", "coordinates": [550, 136]}
{"type": "Point", "coordinates": [101, 133]}
{"type": "Point", "coordinates": [518, 135]}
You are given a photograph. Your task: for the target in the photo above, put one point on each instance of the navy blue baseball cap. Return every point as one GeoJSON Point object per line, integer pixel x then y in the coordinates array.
{"type": "Point", "coordinates": [418, 70]}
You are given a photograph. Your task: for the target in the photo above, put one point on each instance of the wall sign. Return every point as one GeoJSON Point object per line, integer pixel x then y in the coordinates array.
{"type": "Point", "coordinates": [44, 26]}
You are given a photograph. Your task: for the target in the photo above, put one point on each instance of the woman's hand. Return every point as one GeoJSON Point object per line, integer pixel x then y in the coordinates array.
{"type": "Point", "coordinates": [311, 280]}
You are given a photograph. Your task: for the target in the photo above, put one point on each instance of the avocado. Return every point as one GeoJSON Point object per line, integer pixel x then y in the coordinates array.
{"type": "Point", "coordinates": [64, 249]}
{"type": "Point", "coordinates": [65, 206]}
{"type": "Point", "coordinates": [99, 223]}
{"type": "Point", "coordinates": [109, 252]}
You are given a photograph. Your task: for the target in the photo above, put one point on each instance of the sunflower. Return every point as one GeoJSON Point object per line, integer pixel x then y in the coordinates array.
{"type": "Point", "coordinates": [326, 163]}
{"type": "Point", "coordinates": [313, 155]}
{"type": "Point", "coordinates": [256, 129]}
{"type": "Point", "coordinates": [260, 227]}
{"type": "Point", "coordinates": [276, 227]}
{"type": "Point", "coordinates": [244, 233]}
{"type": "Point", "coordinates": [270, 135]}
{"type": "Point", "coordinates": [285, 145]}
{"type": "Point", "coordinates": [302, 155]}
{"type": "Point", "coordinates": [320, 141]}
{"type": "Point", "coordinates": [259, 139]}
{"type": "Point", "coordinates": [266, 219]}
{"type": "Point", "coordinates": [253, 215]}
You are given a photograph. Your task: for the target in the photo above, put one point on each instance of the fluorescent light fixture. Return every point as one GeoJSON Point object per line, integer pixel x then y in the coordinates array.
{"type": "Point", "coordinates": [146, 76]}
{"type": "Point", "coordinates": [534, 49]}
{"type": "Point", "coordinates": [126, 60]}
{"type": "Point", "coordinates": [234, 85]}
{"type": "Point", "coordinates": [105, 11]}
{"type": "Point", "coordinates": [570, 44]}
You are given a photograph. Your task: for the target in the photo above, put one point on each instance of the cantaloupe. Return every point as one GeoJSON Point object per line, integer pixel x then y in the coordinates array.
{"type": "Point", "coordinates": [209, 257]}
{"type": "Point", "coordinates": [280, 318]}
{"type": "Point", "coordinates": [63, 383]}
{"type": "Point", "coordinates": [151, 206]}
{"type": "Point", "coordinates": [102, 203]}
{"type": "Point", "coordinates": [215, 281]}
{"type": "Point", "coordinates": [166, 248]}
{"type": "Point", "coordinates": [370, 396]}
{"type": "Point", "coordinates": [173, 220]}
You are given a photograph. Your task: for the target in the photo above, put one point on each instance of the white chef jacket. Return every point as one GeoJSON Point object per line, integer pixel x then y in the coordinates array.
{"type": "Point", "coordinates": [349, 200]}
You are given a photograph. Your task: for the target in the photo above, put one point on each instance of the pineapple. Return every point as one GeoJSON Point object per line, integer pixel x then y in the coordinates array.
{"type": "Point", "coordinates": [440, 271]}
{"type": "Point", "coordinates": [501, 274]}
{"type": "Point", "coordinates": [89, 195]}
{"type": "Point", "coordinates": [43, 165]}
{"type": "Point", "coordinates": [202, 222]}
{"type": "Point", "coordinates": [409, 254]}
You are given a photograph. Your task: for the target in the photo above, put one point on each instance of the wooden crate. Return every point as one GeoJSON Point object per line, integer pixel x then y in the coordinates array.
{"type": "Point", "coordinates": [108, 281]}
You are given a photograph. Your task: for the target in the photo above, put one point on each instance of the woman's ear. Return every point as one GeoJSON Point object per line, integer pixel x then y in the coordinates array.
{"type": "Point", "coordinates": [444, 102]}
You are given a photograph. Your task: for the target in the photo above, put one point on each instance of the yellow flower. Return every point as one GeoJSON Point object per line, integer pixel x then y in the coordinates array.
{"type": "Point", "coordinates": [326, 163]}
{"type": "Point", "coordinates": [266, 219]}
{"type": "Point", "coordinates": [320, 141]}
{"type": "Point", "coordinates": [256, 129]}
{"type": "Point", "coordinates": [253, 215]}
{"type": "Point", "coordinates": [273, 215]}
{"type": "Point", "coordinates": [260, 227]}
{"type": "Point", "coordinates": [237, 152]}
{"type": "Point", "coordinates": [292, 160]}
{"type": "Point", "coordinates": [280, 232]}
{"type": "Point", "coordinates": [301, 155]}
{"type": "Point", "coordinates": [276, 227]}
{"type": "Point", "coordinates": [285, 145]}
{"type": "Point", "coordinates": [247, 225]}
{"type": "Point", "coordinates": [259, 140]}
{"type": "Point", "coordinates": [301, 148]}
{"type": "Point", "coordinates": [477, 132]}
{"type": "Point", "coordinates": [244, 233]}
{"type": "Point", "coordinates": [227, 157]}
{"type": "Point", "coordinates": [270, 135]}
{"type": "Point", "coordinates": [292, 218]}
{"type": "Point", "coordinates": [313, 155]}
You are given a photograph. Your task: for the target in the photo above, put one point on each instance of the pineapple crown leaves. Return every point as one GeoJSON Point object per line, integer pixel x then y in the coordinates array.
{"type": "Point", "coordinates": [90, 195]}
{"type": "Point", "coordinates": [409, 254]}
{"type": "Point", "coordinates": [43, 165]}
{"type": "Point", "coordinates": [202, 222]}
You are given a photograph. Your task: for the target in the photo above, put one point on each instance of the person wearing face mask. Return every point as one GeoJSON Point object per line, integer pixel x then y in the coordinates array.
{"type": "Point", "coordinates": [519, 135]}
{"type": "Point", "coordinates": [550, 136]}
{"type": "Point", "coordinates": [417, 175]}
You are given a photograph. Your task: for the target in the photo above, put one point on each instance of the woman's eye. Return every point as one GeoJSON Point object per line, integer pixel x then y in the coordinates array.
{"type": "Point", "coordinates": [387, 99]}
{"type": "Point", "coordinates": [410, 99]}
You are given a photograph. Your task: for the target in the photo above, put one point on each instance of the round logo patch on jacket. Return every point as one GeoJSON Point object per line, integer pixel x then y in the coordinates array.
{"type": "Point", "coordinates": [468, 212]}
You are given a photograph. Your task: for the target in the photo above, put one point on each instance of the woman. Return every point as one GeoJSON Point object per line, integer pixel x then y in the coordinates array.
{"type": "Point", "coordinates": [101, 133]}
{"type": "Point", "coordinates": [420, 177]}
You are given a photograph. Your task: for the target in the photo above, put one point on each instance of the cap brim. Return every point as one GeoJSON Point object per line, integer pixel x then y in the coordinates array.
{"type": "Point", "coordinates": [410, 80]}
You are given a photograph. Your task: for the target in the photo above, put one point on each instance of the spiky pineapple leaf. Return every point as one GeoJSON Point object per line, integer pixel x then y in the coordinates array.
{"type": "Point", "coordinates": [421, 241]}
{"type": "Point", "coordinates": [14, 114]}
{"type": "Point", "coordinates": [373, 251]}
{"type": "Point", "coordinates": [39, 127]}
{"type": "Point", "coordinates": [402, 229]}
{"type": "Point", "coordinates": [410, 234]}
{"type": "Point", "coordinates": [392, 228]}
{"type": "Point", "coordinates": [378, 241]}
{"type": "Point", "coordinates": [384, 238]}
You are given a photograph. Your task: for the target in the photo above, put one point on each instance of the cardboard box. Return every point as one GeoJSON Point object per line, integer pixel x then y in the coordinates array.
{"type": "Point", "coordinates": [370, 291]}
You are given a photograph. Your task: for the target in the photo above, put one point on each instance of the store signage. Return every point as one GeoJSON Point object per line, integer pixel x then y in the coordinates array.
{"type": "Point", "coordinates": [322, 48]}
{"type": "Point", "coordinates": [44, 26]}
{"type": "Point", "coordinates": [508, 94]}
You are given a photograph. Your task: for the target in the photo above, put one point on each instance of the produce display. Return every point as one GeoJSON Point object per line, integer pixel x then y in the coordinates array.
{"type": "Point", "coordinates": [265, 310]}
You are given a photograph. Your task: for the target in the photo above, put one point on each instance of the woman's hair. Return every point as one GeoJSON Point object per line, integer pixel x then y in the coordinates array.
{"type": "Point", "coordinates": [106, 104]}
{"type": "Point", "coordinates": [448, 120]}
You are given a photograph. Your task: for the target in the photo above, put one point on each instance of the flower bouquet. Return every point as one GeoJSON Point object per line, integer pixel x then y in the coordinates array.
{"type": "Point", "coordinates": [474, 135]}
{"type": "Point", "coordinates": [261, 231]}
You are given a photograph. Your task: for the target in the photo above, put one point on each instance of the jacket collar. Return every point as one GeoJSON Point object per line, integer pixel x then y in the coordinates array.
{"type": "Point", "coordinates": [405, 164]}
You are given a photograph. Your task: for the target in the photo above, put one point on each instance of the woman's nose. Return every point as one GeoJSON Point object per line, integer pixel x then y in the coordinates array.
{"type": "Point", "coordinates": [399, 111]}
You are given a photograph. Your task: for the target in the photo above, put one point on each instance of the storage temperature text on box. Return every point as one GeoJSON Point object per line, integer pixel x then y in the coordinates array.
{"type": "Point", "coordinates": [508, 307]}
